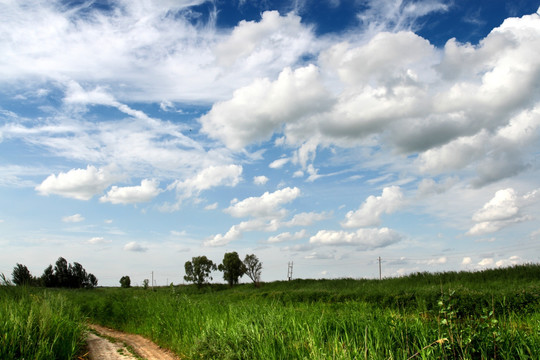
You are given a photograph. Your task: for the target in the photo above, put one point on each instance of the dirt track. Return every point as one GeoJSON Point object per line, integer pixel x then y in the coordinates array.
{"type": "Point", "coordinates": [100, 348]}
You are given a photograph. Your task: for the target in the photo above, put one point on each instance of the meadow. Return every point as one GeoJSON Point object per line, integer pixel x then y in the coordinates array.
{"type": "Point", "coordinates": [462, 315]}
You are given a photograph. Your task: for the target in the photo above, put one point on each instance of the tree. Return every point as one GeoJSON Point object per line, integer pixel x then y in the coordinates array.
{"type": "Point", "coordinates": [198, 270]}
{"type": "Point", "coordinates": [233, 268]}
{"type": "Point", "coordinates": [125, 281]}
{"type": "Point", "coordinates": [48, 278]}
{"type": "Point", "coordinates": [62, 272]}
{"type": "Point", "coordinates": [145, 283]}
{"type": "Point", "coordinates": [67, 276]}
{"type": "Point", "coordinates": [21, 275]}
{"type": "Point", "coordinates": [253, 268]}
{"type": "Point", "coordinates": [92, 281]}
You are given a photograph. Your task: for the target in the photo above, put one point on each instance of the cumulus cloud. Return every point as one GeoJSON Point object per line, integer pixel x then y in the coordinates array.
{"type": "Point", "coordinates": [370, 212]}
{"type": "Point", "coordinates": [135, 247]}
{"type": "Point", "coordinates": [273, 37]}
{"type": "Point", "coordinates": [364, 239]}
{"type": "Point", "coordinates": [236, 232]}
{"type": "Point", "coordinates": [287, 236]}
{"type": "Point", "coordinates": [260, 180]}
{"type": "Point", "coordinates": [145, 192]}
{"type": "Point", "coordinates": [256, 111]}
{"type": "Point", "coordinates": [307, 218]}
{"type": "Point", "coordinates": [266, 214]}
{"type": "Point", "coordinates": [212, 176]}
{"type": "Point", "coordinates": [73, 218]}
{"type": "Point", "coordinates": [98, 240]}
{"type": "Point", "coordinates": [504, 209]}
{"type": "Point", "coordinates": [80, 184]}
{"type": "Point", "coordinates": [278, 164]}
{"type": "Point", "coordinates": [266, 205]}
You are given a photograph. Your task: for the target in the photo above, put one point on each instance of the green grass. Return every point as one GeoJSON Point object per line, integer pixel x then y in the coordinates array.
{"type": "Point", "coordinates": [484, 315]}
{"type": "Point", "coordinates": [37, 324]}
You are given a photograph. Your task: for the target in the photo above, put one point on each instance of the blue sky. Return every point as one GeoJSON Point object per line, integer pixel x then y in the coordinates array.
{"type": "Point", "coordinates": [136, 135]}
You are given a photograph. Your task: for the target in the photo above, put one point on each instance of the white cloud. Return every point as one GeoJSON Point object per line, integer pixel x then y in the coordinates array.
{"type": "Point", "coordinates": [364, 239]}
{"type": "Point", "coordinates": [486, 262]}
{"type": "Point", "coordinates": [501, 207]}
{"type": "Point", "coordinates": [212, 176]}
{"type": "Point", "coordinates": [278, 164]}
{"type": "Point", "coordinates": [320, 256]}
{"type": "Point", "coordinates": [370, 212]}
{"type": "Point", "coordinates": [256, 111]}
{"type": "Point", "coordinates": [135, 247]}
{"type": "Point", "coordinates": [273, 37]}
{"type": "Point", "coordinates": [213, 206]}
{"type": "Point", "coordinates": [260, 180]}
{"type": "Point", "coordinates": [73, 218]}
{"type": "Point", "coordinates": [80, 184]}
{"type": "Point", "coordinates": [266, 205]}
{"type": "Point", "coordinates": [287, 236]}
{"type": "Point", "coordinates": [466, 261]}
{"type": "Point", "coordinates": [181, 60]}
{"type": "Point", "coordinates": [504, 209]}
{"type": "Point", "coordinates": [237, 231]}
{"type": "Point", "coordinates": [98, 240]}
{"type": "Point", "coordinates": [307, 219]}
{"type": "Point", "coordinates": [145, 192]}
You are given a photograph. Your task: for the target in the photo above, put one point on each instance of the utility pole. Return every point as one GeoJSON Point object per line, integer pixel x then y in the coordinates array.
{"type": "Point", "coordinates": [152, 281]}
{"type": "Point", "coordinates": [289, 271]}
{"type": "Point", "coordinates": [380, 273]}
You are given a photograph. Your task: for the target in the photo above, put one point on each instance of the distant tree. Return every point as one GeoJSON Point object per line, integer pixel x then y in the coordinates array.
{"type": "Point", "coordinates": [21, 275]}
{"type": "Point", "coordinates": [198, 270]}
{"type": "Point", "coordinates": [79, 277]}
{"type": "Point", "coordinates": [48, 279]}
{"type": "Point", "coordinates": [67, 276]}
{"type": "Point", "coordinates": [253, 268]}
{"type": "Point", "coordinates": [125, 281]}
{"type": "Point", "coordinates": [145, 283]}
{"type": "Point", "coordinates": [233, 268]}
{"type": "Point", "coordinates": [62, 272]}
{"type": "Point", "coordinates": [92, 281]}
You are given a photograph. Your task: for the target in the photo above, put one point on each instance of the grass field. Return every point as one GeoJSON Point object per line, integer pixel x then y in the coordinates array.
{"type": "Point", "coordinates": [480, 315]}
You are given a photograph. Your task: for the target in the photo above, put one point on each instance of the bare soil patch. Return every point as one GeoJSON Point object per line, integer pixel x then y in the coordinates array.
{"type": "Point", "coordinates": [116, 345]}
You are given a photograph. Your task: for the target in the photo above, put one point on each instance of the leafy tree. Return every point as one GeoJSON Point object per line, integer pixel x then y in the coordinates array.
{"type": "Point", "coordinates": [92, 281]}
{"type": "Point", "coordinates": [62, 272]}
{"type": "Point", "coordinates": [198, 270]}
{"type": "Point", "coordinates": [145, 283]}
{"type": "Point", "coordinates": [233, 268]}
{"type": "Point", "coordinates": [253, 268]}
{"type": "Point", "coordinates": [48, 278]}
{"type": "Point", "coordinates": [21, 275]}
{"type": "Point", "coordinates": [67, 276]}
{"type": "Point", "coordinates": [125, 281]}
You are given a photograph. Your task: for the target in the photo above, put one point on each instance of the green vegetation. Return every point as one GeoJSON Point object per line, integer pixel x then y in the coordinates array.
{"type": "Point", "coordinates": [233, 268]}
{"type": "Point", "coordinates": [125, 281]}
{"type": "Point", "coordinates": [198, 270]}
{"type": "Point", "coordinates": [481, 315]}
{"type": "Point", "coordinates": [63, 275]}
{"type": "Point", "coordinates": [38, 324]}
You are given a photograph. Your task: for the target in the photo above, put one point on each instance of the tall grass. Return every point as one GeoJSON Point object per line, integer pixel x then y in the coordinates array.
{"type": "Point", "coordinates": [486, 315]}
{"type": "Point", "coordinates": [36, 324]}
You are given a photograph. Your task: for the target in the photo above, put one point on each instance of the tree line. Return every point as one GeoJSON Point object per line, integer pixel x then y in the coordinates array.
{"type": "Point", "coordinates": [198, 270]}
{"type": "Point", "coordinates": [62, 275]}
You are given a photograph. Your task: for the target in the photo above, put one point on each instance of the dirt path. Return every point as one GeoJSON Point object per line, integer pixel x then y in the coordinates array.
{"type": "Point", "coordinates": [122, 346]}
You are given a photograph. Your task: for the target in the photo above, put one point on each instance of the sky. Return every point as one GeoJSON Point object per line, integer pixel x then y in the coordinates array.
{"type": "Point", "coordinates": [135, 135]}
